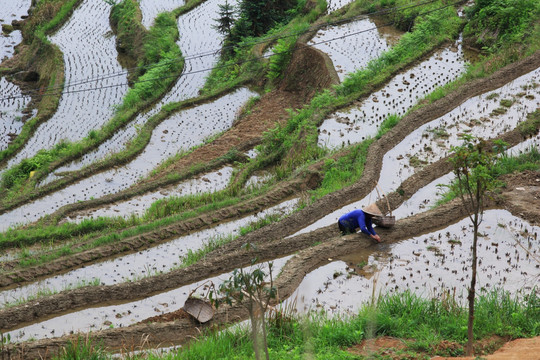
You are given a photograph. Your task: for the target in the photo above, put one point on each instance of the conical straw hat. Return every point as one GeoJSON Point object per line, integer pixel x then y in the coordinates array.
{"type": "Point", "coordinates": [372, 209]}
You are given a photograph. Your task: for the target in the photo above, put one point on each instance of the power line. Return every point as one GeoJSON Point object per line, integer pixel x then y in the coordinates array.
{"type": "Point", "coordinates": [213, 52]}
{"type": "Point", "coordinates": [63, 91]}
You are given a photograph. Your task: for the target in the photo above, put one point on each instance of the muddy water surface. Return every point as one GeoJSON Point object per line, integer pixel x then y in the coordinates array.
{"type": "Point", "coordinates": [8, 43]}
{"type": "Point", "coordinates": [430, 265]}
{"type": "Point", "coordinates": [14, 10]}
{"type": "Point", "coordinates": [126, 314]}
{"type": "Point", "coordinates": [210, 182]}
{"type": "Point", "coordinates": [155, 260]}
{"type": "Point", "coordinates": [11, 113]}
{"type": "Point", "coordinates": [361, 43]}
{"type": "Point", "coordinates": [178, 133]}
{"type": "Point", "coordinates": [486, 116]}
{"type": "Point", "coordinates": [361, 121]}
{"type": "Point", "coordinates": [151, 8]}
{"type": "Point", "coordinates": [334, 5]}
{"type": "Point", "coordinates": [425, 198]}
{"type": "Point", "coordinates": [89, 52]}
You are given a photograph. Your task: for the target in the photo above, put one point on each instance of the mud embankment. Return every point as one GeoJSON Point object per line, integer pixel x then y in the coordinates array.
{"type": "Point", "coordinates": [307, 260]}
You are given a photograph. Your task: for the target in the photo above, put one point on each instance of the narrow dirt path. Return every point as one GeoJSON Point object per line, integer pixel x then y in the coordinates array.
{"type": "Point", "coordinates": [519, 349]}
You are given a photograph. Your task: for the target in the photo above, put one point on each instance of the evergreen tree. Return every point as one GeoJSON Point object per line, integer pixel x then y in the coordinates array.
{"type": "Point", "coordinates": [226, 19]}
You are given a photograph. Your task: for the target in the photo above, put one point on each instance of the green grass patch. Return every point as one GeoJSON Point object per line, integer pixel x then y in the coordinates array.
{"type": "Point", "coordinates": [506, 164]}
{"type": "Point", "coordinates": [421, 323]}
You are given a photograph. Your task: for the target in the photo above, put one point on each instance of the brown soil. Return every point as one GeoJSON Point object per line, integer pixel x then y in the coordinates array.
{"type": "Point", "coordinates": [384, 345]}
{"type": "Point", "coordinates": [520, 349]}
{"type": "Point", "coordinates": [392, 348]}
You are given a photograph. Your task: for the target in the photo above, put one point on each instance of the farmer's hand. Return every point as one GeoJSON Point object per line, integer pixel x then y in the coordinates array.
{"type": "Point", "coordinates": [376, 237]}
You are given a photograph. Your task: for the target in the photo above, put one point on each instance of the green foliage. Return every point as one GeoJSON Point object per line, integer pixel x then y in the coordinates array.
{"type": "Point", "coordinates": [226, 18]}
{"type": "Point", "coordinates": [283, 52]}
{"type": "Point", "coordinates": [249, 289]}
{"type": "Point", "coordinates": [496, 22]}
{"type": "Point", "coordinates": [421, 323]}
{"type": "Point", "coordinates": [256, 17]}
{"type": "Point", "coordinates": [529, 160]}
{"type": "Point", "coordinates": [473, 163]}
{"type": "Point", "coordinates": [82, 349]}
{"type": "Point", "coordinates": [344, 171]}
{"type": "Point", "coordinates": [21, 172]}
{"type": "Point", "coordinates": [387, 124]}
{"type": "Point", "coordinates": [531, 125]}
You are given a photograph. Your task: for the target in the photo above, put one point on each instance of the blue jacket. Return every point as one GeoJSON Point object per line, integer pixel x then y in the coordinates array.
{"type": "Point", "coordinates": [357, 219]}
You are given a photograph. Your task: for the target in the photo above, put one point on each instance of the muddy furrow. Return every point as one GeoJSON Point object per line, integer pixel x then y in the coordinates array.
{"type": "Point", "coordinates": [307, 260]}
{"type": "Point", "coordinates": [155, 237]}
{"type": "Point", "coordinates": [228, 257]}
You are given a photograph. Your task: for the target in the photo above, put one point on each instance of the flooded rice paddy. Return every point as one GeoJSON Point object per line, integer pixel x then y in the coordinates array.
{"type": "Point", "coordinates": [11, 113]}
{"type": "Point", "coordinates": [432, 265]}
{"type": "Point", "coordinates": [178, 133]}
{"type": "Point", "coordinates": [151, 8]}
{"type": "Point", "coordinates": [8, 43]}
{"type": "Point", "coordinates": [149, 262]}
{"type": "Point", "coordinates": [357, 43]}
{"type": "Point", "coordinates": [359, 122]}
{"type": "Point", "coordinates": [334, 5]}
{"type": "Point", "coordinates": [210, 182]}
{"type": "Point", "coordinates": [200, 44]}
{"type": "Point", "coordinates": [89, 50]}
{"type": "Point", "coordinates": [125, 314]}
{"type": "Point", "coordinates": [486, 116]}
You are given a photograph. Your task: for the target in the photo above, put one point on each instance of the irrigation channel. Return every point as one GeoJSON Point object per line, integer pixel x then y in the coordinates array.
{"type": "Point", "coordinates": [432, 264]}
{"type": "Point", "coordinates": [89, 50]}
{"type": "Point", "coordinates": [12, 111]}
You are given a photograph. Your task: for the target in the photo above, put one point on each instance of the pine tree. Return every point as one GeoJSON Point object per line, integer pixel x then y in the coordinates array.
{"type": "Point", "coordinates": [226, 19]}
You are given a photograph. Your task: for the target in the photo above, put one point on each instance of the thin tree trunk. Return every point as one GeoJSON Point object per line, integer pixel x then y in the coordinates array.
{"type": "Point", "coordinates": [471, 297]}
{"type": "Point", "coordinates": [255, 334]}
{"type": "Point", "coordinates": [265, 343]}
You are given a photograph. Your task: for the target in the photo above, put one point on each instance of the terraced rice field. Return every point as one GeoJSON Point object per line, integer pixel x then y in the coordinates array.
{"type": "Point", "coordinates": [144, 274]}
{"type": "Point", "coordinates": [89, 51]}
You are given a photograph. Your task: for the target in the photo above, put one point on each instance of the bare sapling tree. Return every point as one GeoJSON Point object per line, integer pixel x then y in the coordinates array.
{"type": "Point", "coordinates": [473, 166]}
{"type": "Point", "coordinates": [249, 289]}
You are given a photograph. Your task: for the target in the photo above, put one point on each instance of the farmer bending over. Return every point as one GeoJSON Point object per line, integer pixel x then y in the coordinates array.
{"type": "Point", "coordinates": [349, 222]}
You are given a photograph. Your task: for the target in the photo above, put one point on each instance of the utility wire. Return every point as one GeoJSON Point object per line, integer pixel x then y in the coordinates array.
{"type": "Point", "coordinates": [213, 52]}
{"type": "Point", "coordinates": [51, 93]}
